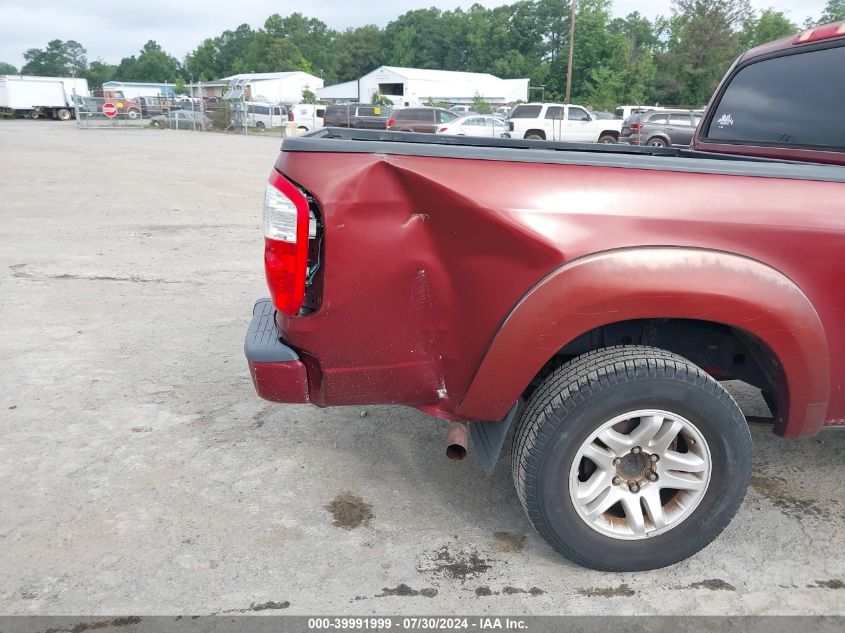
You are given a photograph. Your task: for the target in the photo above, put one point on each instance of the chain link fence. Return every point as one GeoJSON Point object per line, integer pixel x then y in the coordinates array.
{"type": "Point", "coordinates": [208, 114]}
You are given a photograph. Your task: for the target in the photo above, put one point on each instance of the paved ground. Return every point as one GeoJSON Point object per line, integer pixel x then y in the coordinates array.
{"type": "Point", "coordinates": [141, 474]}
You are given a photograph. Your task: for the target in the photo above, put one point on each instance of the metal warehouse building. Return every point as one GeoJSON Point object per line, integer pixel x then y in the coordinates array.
{"type": "Point", "coordinates": [415, 86]}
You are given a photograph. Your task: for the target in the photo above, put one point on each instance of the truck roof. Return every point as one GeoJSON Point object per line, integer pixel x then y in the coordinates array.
{"type": "Point", "coordinates": [834, 30]}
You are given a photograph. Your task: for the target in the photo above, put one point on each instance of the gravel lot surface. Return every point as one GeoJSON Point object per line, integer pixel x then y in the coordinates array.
{"type": "Point", "coordinates": [141, 474]}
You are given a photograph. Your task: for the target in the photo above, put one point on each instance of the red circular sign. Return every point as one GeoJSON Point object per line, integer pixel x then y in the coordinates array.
{"type": "Point", "coordinates": [110, 110]}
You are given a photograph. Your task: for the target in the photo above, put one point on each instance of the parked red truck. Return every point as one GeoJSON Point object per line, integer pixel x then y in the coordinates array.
{"type": "Point", "coordinates": [594, 296]}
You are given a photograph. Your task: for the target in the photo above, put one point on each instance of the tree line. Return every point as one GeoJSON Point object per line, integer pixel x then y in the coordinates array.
{"type": "Point", "coordinates": [676, 59]}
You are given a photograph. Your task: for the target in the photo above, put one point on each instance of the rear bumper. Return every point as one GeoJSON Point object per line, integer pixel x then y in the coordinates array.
{"type": "Point", "coordinates": [277, 372]}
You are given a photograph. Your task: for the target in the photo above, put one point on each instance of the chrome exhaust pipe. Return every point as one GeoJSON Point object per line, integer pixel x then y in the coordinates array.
{"type": "Point", "coordinates": [457, 440]}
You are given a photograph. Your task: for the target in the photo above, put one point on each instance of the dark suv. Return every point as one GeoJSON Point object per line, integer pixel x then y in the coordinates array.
{"type": "Point", "coordinates": [364, 116]}
{"type": "Point", "coordinates": [420, 119]}
{"type": "Point", "coordinates": [660, 128]}
{"type": "Point", "coordinates": [153, 106]}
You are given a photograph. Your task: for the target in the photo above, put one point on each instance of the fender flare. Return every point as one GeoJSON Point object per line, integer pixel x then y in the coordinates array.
{"type": "Point", "coordinates": [659, 282]}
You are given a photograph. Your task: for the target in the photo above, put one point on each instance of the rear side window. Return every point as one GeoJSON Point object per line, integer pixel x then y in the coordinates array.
{"type": "Point", "coordinates": [446, 117]}
{"type": "Point", "coordinates": [406, 114]}
{"type": "Point", "coordinates": [526, 112]}
{"type": "Point", "coordinates": [679, 119]}
{"type": "Point", "coordinates": [659, 118]}
{"type": "Point", "coordinates": [796, 100]}
{"type": "Point", "coordinates": [554, 112]}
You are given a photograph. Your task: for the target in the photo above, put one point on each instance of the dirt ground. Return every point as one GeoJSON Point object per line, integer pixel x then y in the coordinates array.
{"type": "Point", "coordinates": [141, 474]}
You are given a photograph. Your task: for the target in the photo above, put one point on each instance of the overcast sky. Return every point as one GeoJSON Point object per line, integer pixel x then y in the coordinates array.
{"type": "Point", "coordinates": [112, 29]}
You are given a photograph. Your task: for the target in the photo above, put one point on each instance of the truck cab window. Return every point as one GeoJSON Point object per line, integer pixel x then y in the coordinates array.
{"type": "Point", "coordinates": [795, 101]}
{"type": "Point", "coordinates": [578, 114]}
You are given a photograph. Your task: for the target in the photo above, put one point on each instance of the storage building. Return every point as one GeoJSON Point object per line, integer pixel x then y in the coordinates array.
{"type": "Point", "coordinates": [416, 86]}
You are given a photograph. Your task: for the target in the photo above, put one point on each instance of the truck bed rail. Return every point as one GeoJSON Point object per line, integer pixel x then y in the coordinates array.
{"type": "Point", "coordinates": [345, 140]}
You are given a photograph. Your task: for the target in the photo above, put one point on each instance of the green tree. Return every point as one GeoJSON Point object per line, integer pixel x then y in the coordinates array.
{"type": "Point", "coordinates": [155, 65]}
{"type": "Point", "coordinates": [61, 59]}
{"type": "Point", "coordinates": [221, 56]}
{"type": "Point", "coordinates": [379, 99]}
{"type": "Point", "coordinates": [629, 73]}
{"type": "Point", "coordinates": [359, 51]}
{"type": "Point", "coordinates": [99, 72]}
{"type": "Point", "coordinates": [702, 40]}
{"type": "Point", "coordinates": [834, 11]}
{"type": "Point", "coordinates": [268, 53]}
{"type": "Point", "coordinates": [308, 97]}
{"type": "Point", "coordinates": [768, 26]}
{"type": "Point", "coordinates": [7, 69]}
{"type": "Point", "coordinates": [312, 37]}
{"type": "Point", "coordinates": [415, 39]}
{"type": "Point", "coordinates": [481, 105]}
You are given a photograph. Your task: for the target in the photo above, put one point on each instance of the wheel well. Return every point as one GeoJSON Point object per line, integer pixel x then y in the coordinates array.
{"type": "Point", "coordinates": [540, 132]}
{"type": "Point", "coordinates": [612, 133]}
{"type": "Point", "coordinates": [724, 352]}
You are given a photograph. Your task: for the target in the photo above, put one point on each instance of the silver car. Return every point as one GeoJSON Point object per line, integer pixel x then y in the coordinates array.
{"type": "Point", "coordinates": [474, 125]}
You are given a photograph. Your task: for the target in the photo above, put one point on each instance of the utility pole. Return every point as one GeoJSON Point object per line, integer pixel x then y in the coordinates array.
{"type": "Point", "coordinates": [571, 48]}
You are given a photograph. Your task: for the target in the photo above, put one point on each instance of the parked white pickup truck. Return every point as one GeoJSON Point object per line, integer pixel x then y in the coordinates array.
{"type": "Point", "coordinates": [559, 122]}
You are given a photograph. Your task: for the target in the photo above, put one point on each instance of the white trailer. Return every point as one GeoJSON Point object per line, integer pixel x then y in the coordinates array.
{"type": "Point", "coordinates": [34, 97]}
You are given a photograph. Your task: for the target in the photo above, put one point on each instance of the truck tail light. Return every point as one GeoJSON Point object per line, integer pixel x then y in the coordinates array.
{"type": "Point", "coordinates": [390, 122]}
{"type": "Point", "coordinates": [290, 115]}
{"type": "Point", "coordinates": [823, 32]}
{"type": "Point", "coordinates": [286, 224]}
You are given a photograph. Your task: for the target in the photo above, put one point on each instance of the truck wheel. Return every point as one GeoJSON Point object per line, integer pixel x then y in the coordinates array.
{"type": "Point", "coordinates": [630, 458]}
{"type": "Point", "coordinates": [607, 138]}
{"type": "Point", "coordinates": [534, 136]}
{"type": "Point", "coordinates": [34, 114]}
{"type": "Point", "coordinates": [63, 114]}
{"type": "Point", "coordinates": [132, 114]}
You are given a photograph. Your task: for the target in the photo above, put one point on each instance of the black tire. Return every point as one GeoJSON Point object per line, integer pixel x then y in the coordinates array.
{"type": "Point", "coordinates": [607, 138]}
{"type": "Point", "coordinates": [657, 142]}
{"type": "Point", "coordinates": [155, 123]}
{"type": "Point", "coordinates": [574, 400]}
{"type": "Point", "coordinates": [133, 114]}
{"type": "Point", "coordinates": [33, 114]}
{"type": "Point", "coordinates": [534, 136]}
{"type": "Point", "coordinates": [260, 125]}
{"type": "Point", "coordinates": [63, 114]}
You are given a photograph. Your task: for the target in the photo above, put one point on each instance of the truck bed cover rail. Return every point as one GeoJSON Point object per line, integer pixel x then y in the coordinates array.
{"type": "Point", "coordinates": [345, 140]}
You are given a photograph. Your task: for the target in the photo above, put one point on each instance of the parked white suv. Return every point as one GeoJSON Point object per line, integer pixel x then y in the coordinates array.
{"type": "Point", "coordinates": [560, 122]}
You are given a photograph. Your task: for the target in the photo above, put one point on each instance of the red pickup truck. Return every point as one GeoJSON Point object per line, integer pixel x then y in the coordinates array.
{"type": "Point", "coordinates": [591, 296]}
